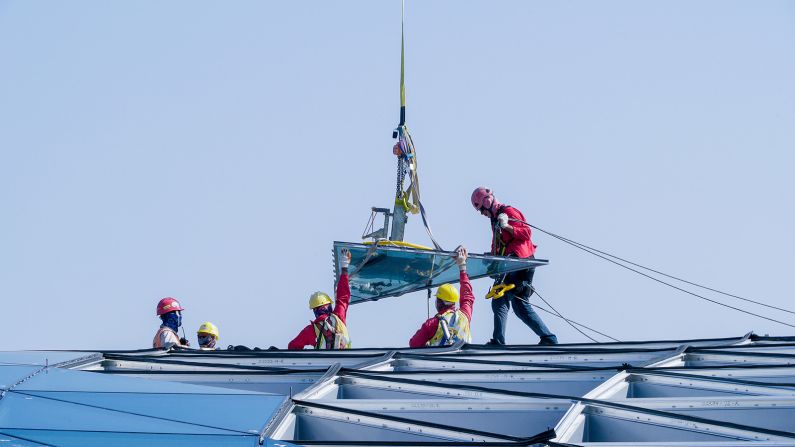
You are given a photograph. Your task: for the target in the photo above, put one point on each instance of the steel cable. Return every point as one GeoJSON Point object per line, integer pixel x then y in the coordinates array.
{"type": "Point", "coordinates": [565, 239]}
{"type": "Point", "coordinates": [527, 301]}
{"type": "Point", "coordinates": [541, 308]}
{"type": "Point", "coordinates": [596, 253]}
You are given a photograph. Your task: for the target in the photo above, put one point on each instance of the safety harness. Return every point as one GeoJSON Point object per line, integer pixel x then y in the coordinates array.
{"type": "Point", "coordinates": [499, 247]}
{"type": "Point", "coordinates": [331, 333]}
{"type": "Point", "coordinates": [453, 326]}
{"type": "Point", "coordinates": [499, 288]}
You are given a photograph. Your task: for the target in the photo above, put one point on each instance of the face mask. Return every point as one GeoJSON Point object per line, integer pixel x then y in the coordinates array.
{"type": "Point", "coordinates": [206, 341]}
{"type": "Point", "coordinates": [172, 320]}
{"type": "Point", "coordinates": [322, 310]}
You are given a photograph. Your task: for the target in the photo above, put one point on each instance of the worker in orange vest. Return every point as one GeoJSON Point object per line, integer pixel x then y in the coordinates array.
{"type": "Point", "coordinates": [170, 312]}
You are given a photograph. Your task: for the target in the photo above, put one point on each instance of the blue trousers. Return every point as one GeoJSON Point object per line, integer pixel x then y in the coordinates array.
{"type": "Point", "coordinates": [519, 298]}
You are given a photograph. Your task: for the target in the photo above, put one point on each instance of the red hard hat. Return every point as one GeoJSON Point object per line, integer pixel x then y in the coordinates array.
{"type": "Point", "coordinates": [167, 305]}
{"type": "Point", "coordinates": [482, 198]}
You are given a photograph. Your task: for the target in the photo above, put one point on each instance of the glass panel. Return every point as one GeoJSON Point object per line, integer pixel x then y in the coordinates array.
{"type": "Point", "coordinates": [39, 357]}
{"type": "Point", "coordinates": [56, 379]}
{"type": "Point", "coordinates": [9, 375]}
{"type": "Point", "coordinates": [59, 404]}
{"type": "Point", "coordinates": [380, 272]}
{"type": "Point", "coordinates": [245, 413]}
{"type": "Point", "coordinates": [36, 413]}
{"type": "Point", "coordinates": [104, 439]}
{"type": "Point", "coordinates": [17, 442]}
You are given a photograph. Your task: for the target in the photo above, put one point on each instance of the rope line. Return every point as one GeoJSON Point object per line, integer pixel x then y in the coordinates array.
{"type": "Point", "coordinates": [663, 273]}
{"type": "Point", "coordinates": [575, 322]}
{"type": "Point", "coordinates": [558, 313]}
{"type": "Point", "coordinates": [587, 249]}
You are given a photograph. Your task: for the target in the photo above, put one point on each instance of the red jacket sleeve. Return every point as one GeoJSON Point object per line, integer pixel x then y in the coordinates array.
{"type": "Point", "coordinates": [304, 338]}
{"type": "Point", "coordinates": [343, 298]}
{"type": "Point", "coordinates": [467, 297]}
{"type": "Point", "coordinates": [424, 333]}
{"type": "Point", "coordinates": [521, 232]}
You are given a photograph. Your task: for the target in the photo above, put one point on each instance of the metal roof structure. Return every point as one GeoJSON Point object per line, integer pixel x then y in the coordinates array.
{"type": "Point", "coordinates": [709, 392]}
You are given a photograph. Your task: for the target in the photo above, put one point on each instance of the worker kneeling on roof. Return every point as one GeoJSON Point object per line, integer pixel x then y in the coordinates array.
{"type": "Point", "coordinates": [328, 329]}
{"type": "Point", "coordinates": [449, 324]}
{"type": "Point", "coordinates": [208, 336]}
{"type": "Point", "coordinates": [170, 312]}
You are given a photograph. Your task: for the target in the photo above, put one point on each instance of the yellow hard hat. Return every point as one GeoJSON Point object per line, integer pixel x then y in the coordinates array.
{"type": "Point", "coordinates": [318, 299]}
{"type": "Point", "coordinates": [447, 293]}
{"type": "Point", "coordinates": [208, 328]}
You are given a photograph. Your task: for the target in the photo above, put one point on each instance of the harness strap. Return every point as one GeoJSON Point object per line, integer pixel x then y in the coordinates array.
{"type": "Point", "coordinates": [325, 327]}
{"type": "Point", "coordinates": [499, 245]}
{"type": "Point", "coordinates": [446, 326]}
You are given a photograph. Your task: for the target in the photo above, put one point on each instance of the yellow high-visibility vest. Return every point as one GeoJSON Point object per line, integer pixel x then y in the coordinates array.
{"type": "Point", "coordinates": [331, 333]}
{"type": "Point", "coordinates": [453, 326]}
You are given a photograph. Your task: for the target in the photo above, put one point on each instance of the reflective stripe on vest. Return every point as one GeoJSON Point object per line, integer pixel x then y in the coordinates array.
{"type": "Point", "coordinates": [331, 333]}
{"type": "Point", "coordinates": [453, 326]}
{"type": "Point", "coordinates": [161, 339]}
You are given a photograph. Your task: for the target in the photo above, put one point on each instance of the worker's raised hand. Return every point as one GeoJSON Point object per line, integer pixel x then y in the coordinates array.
{"type": "Point", "coordinates": [502, 220]}
{"type": "Point", "coordinates": [345, 258]}
{"type": "Point", "coordinates": [461, 257]}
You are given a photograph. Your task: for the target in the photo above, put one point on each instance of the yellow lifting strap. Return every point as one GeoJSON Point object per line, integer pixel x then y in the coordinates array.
{"type": "Point", "coordinates": [409, 207]}
{"type": "Point", "coordinates": [400, 244]}
{"type": "Point", "coordinates": [402, 65]}
{"type": "Point", "coordinates": [498, 290]}
{"type": "Point", "coordinates": [410, 198]}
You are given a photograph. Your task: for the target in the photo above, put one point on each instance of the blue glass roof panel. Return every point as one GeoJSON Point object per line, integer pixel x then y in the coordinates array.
{"type": "Point", "coordinates": [66, 407]}
{"type": "Point", "coordinates": [22, 411]}
{"type": "Point", "coordinates": [385, 271]}
{"type": "Point", "coordinates": [244, 413]}
{"type": "Point", "coordinates": [17, 442]}
{"type": "Point", "coordinates": [39, 357]}
{"type": "Point", "coordinates": [57, 379]}
{"type": "Point", "coordinates": [116, 439]}
{"type": "Point", "coordinates": [11, 374]}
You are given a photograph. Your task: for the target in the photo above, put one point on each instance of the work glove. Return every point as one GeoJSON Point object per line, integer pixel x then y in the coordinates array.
{"type": "Point", "coordinates": [345, 258]}
{"type": "Point", "coordinates": [461, 257]}
{"type": "Point", "coordinates": [184, 342]}
{"type": "Point", "coordinates": [502, 220]}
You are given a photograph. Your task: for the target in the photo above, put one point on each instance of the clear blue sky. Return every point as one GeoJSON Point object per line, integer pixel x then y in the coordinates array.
{"type": "Point", "coordinates": [213, 151]}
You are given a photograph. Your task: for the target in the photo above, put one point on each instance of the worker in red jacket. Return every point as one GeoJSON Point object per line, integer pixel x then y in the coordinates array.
{"type": "Point", "coordinates": [328, 329]}
{"type": "Point", "coordinates": [449, 324]}
{"type": "Point", "coordinates": [511, 237]}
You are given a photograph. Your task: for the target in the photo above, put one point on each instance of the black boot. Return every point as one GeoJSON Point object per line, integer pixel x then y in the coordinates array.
{"type": "Point", "coordinates": [548, 340]}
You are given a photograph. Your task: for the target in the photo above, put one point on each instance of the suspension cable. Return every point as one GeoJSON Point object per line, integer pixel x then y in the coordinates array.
{"type": "Point", "coordinates": [565, 239]}
{"type": "Point", "coordinates": [544, 309]}
{"type": "Point", "coordinates": [533, 289]}
{"type": "Point", "coordinates": [407, 161]}
{"type": "Point", "coordinates": [594, 252]}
